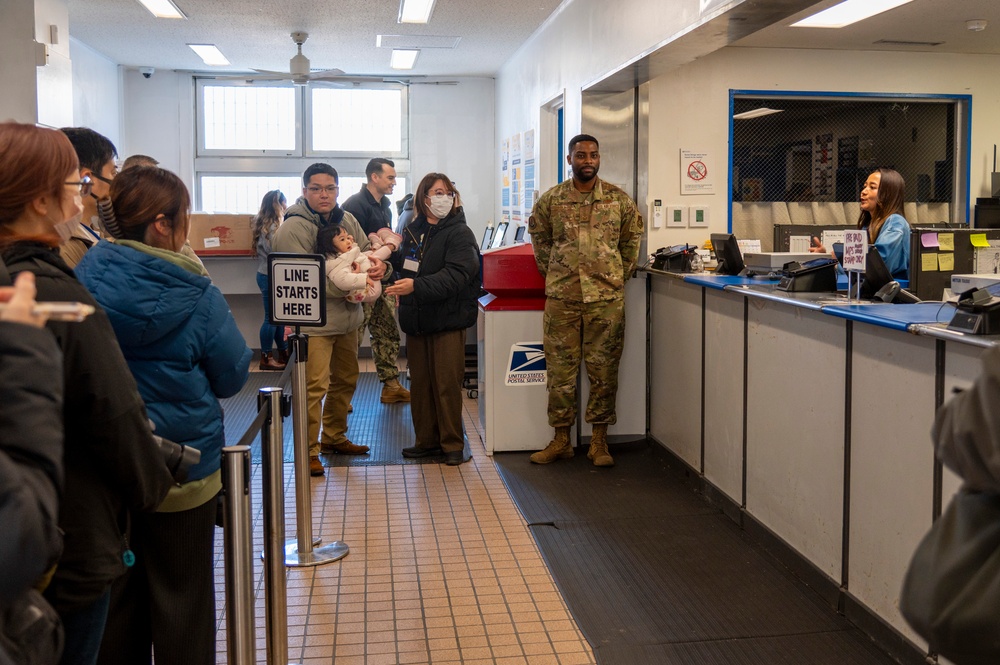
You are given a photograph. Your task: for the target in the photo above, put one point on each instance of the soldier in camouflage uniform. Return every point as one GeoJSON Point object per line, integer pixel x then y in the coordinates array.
{"type": "Point", "coordinates": [586, 234]}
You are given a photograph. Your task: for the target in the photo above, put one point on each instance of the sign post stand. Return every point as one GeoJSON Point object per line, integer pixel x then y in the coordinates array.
{"type": "Point", "coordinates": [298, 298]}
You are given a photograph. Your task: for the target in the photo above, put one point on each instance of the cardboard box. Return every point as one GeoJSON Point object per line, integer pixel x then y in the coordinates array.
{"type": "Point", "coordinates": [225, 235]}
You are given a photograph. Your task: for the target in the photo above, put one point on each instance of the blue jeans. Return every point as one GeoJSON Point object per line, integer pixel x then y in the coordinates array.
{"type": "Point", "coordinates": [269, 334]}
{"type": "Point", "coordinates": [84, 630]}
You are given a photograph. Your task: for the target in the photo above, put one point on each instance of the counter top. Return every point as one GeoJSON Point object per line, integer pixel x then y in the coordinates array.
{"type": "Point", "coordinates": [940, 331]}
{"type": "Point", "coordinates": [894, 316]}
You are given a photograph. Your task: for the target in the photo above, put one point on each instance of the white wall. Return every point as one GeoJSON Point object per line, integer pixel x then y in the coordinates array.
{"type": "Point", "coordinates": [17, 53]}
{"type": "Point", "coordinates": [158, 119]}
{"type": "Point", "coordinates": [55, 79]}
{"type": "Point", "coordinates": [582, 42]}
{"type": "Point", "coordinates": [96, 92]}
{"type": "Point", "coordinates": [451, 132]}
{"type": "Point", "coordinates": [705, 85]}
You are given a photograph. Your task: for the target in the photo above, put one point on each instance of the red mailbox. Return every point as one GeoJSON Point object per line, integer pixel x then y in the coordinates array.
{"type": "Point", "coordinates": [511, 277]}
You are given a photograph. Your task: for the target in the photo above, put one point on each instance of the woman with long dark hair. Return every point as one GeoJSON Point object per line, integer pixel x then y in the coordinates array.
{"type": "Point", "coordinates": [265, 223]}
{"type": "Point", "coordinates": [882, 216]}
{"type": "Point", "coordinates": [439, 264]}
{"type": "Point", "coordinates": [185, 351]}
{"type": "Point", "coordinates": [112, 464]}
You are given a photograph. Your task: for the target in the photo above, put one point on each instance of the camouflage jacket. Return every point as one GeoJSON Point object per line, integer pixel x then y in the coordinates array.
{"type": "Point", "coordinates": [586, 243]}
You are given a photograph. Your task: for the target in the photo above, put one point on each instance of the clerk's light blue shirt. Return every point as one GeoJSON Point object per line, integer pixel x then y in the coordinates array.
{"type": "Point", "coordinates": [893, 244]}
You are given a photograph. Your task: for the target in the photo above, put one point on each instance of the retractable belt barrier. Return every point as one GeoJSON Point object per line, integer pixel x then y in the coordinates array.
{"type": "Point", "coordinates": [273, 406]}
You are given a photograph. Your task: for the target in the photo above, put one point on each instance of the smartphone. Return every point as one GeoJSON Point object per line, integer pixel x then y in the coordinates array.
{"type": "Point", "coordinates": [60, 311]}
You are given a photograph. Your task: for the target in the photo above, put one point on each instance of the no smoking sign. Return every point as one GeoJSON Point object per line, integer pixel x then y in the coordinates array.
{"type": "Point", "coordinates": [697, 174]}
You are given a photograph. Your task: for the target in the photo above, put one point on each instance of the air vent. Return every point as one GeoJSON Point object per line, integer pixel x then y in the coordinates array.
{"type": "Point", "coordinates": [899, 42]}
{"type": "Point", "coordinates": [416, 41]}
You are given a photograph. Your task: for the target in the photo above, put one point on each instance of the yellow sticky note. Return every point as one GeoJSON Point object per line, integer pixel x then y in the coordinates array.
{"type": "Point", "coordinates": [947, 241]}
{"type": "Point", "coordinates": [929, 262]}
{"type": "Point", "coordinates": [946, 262]}
{"type": "Point", "coordinates": [979, 240]}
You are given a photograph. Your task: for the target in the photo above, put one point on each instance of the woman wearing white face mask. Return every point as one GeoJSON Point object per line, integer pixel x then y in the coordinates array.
{"type": "Point", "coordinates": [440, 283]}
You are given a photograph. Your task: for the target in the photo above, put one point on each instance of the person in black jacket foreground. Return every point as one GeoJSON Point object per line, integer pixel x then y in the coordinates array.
{"type": "Point", "coordinates": [31, 435]}
{"type": "Point", "coordinates": [112, 463]}
{"type": "Point", "coordinates": [439, 264]}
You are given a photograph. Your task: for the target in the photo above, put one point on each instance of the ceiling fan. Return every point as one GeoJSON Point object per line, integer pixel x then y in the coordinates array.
{"type": "Point", "coordinates": [299, 72]}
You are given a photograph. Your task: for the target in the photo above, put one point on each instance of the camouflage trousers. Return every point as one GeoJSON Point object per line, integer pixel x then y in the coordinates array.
{"type": "Point", "coordinates": [381, 323]}
{"type": "Point", "coordinates": [594, 333]}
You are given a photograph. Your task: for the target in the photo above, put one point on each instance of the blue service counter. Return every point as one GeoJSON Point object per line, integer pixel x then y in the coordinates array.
{"type": "Point", "coordinates": [809, 418]}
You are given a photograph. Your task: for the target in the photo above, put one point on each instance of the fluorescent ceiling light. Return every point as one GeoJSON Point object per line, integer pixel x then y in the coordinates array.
{"type": "Point", "coordinates": [415, 11]}
{"type": "Point", "coordinates": [756, 113]}
{"type": "Point", "coordinates": [210, 54]}
{"type": "Point", "coordinates": [403, 58]}
{"type": "Point", "coordinates": [848, 12]}
{"type": "Point", "coordinates": [162, 8]}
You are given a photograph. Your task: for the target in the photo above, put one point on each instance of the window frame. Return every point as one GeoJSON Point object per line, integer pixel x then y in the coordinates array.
{"type": "Point", "coordinates": [307, 122]}
{"type": "Point", "coordinates": [282, 162]}
{"type": "Point", "coordinates": [202, 151]}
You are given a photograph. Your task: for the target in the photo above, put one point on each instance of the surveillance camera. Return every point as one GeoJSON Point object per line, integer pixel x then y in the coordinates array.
{"type": "Point", "coordinates": [146, 71]}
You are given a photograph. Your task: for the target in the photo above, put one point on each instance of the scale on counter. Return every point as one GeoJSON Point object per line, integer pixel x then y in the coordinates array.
{"type": "Point", "coordinates": [977, 313]}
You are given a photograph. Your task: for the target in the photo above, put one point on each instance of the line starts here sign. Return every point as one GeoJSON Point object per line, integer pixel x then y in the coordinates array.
{"type": "Point", "coordinates": [298, 289]}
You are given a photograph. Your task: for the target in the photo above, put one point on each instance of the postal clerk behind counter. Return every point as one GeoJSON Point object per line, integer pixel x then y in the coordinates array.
{"type": "Point", "coordinates": [882, 216]}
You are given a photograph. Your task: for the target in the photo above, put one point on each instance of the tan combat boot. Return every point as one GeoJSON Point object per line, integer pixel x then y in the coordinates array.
{"type": "Point", "coordinates": [598, 452]}
{"type": "Point", "coordinates": [392, 392]}
{"type": "Point", "coordinates": [559, 448]}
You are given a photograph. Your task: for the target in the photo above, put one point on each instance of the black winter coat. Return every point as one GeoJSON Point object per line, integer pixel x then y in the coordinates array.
{"type": "Point", "coordinates": [31, 451]}
{"type": "Point", "coordinates": [448, 282]}
{"type": "Point", "coordinates": [372, 215]}
{"type": "Point", "coordinates": [111, 461]}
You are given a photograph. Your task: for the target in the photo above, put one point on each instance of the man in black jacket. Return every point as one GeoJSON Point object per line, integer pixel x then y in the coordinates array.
{"type": "Point", "coordinates": [372, 209]}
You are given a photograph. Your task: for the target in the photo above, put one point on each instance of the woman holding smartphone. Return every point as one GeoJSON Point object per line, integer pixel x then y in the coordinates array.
{"type": "Point", "coordinates": [112, 464]}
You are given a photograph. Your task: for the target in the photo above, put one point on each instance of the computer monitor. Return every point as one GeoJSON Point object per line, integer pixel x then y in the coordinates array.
{"type": "Point", "coordinates": [519, 234]}
{"type": "Point", "coordinates": [487, 239]}
{"type": "Point", "coordinates": [727, 254]}
{"type": "Point", "coordinates": [498, 235]}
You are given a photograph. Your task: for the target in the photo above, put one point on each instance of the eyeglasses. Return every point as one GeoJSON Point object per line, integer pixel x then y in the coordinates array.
{"type": "Point", "coordinates": [106, 180]}
{"type": "Point", "coordinates": [450, 194]}
{"type": "Point", "coordinates": [85, 183]}
{"type": "Point", "coordinates": [329, 189]}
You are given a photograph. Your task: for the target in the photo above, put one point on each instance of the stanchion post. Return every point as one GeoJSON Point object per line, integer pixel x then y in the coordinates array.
{"type": "Point", "coordinates": [273, 474]}
{"type": "Point", "coordinates": [238, 555]}
{"type": "Point", "coordinates": [300, 552]}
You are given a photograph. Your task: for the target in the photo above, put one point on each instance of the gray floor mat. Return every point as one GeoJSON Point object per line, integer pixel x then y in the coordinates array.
{"type": "Point", "coordinates": [385, 428]}
{"type": "Point", "coordinates": [654, 574]}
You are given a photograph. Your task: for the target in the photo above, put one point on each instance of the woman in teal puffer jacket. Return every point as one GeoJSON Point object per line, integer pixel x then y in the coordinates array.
{"type": "Point", "coordinates": [185, 350]}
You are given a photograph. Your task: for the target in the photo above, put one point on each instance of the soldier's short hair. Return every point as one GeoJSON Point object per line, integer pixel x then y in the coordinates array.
{"type": "Point", "coordinates": [582, 138]}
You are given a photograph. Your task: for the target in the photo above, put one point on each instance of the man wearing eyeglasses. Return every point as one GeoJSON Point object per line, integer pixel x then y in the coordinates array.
{"type": "Point", "coordinates": [372, 209]}
{"type": "Point", "coordinates": [97, 156]}
{"type": "Point", "coordinates": [332, 362]}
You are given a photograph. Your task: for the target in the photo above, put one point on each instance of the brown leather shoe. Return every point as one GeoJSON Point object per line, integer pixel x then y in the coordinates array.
{"type": "Point", "coordinates": [392, 392]}
{"type": "Point", "coordinates": [316, 467]}
{"type": "Point", "coordinates": [281, 355]}
{"type": "Point", "coordinates": [345, 448]}
{"type": "Point", "coordinates": [269, 363]}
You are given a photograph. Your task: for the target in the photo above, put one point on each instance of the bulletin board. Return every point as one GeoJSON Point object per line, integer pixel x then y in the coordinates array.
{"type": "Point", "coordinates": [936, 253]}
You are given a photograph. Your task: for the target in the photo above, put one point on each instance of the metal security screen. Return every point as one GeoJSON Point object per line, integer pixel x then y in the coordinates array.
{"type": "Point", "coordinates": [803, 159]}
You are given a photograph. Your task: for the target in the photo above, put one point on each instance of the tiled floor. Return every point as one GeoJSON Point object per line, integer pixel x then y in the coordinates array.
{"type": "Point", "coordinates": [442, 569]}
